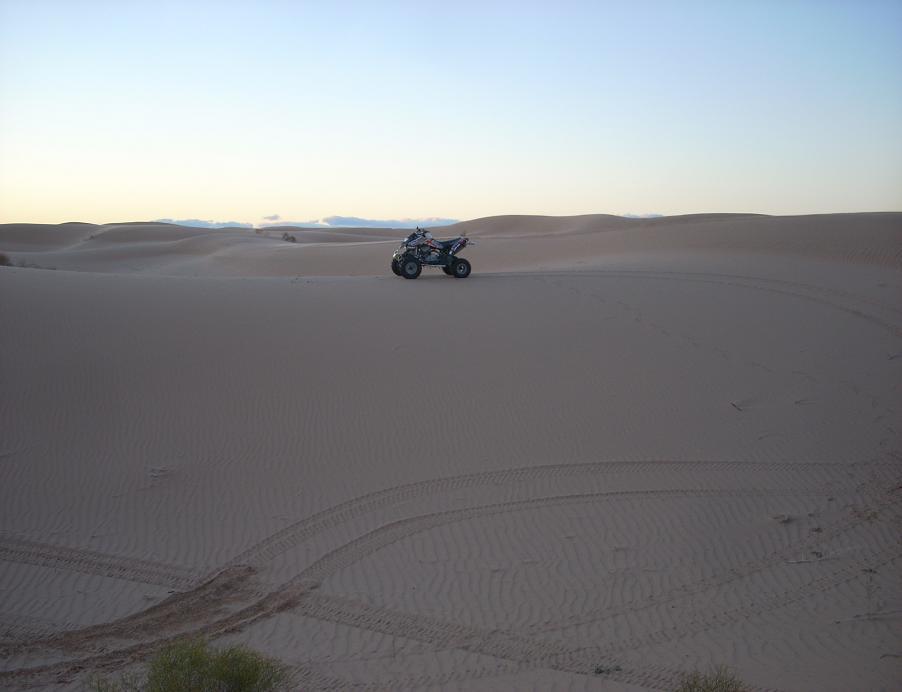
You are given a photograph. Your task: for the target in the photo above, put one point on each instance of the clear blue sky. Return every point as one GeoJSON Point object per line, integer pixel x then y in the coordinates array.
{"type": "Point", "coordinates": [128, 110]}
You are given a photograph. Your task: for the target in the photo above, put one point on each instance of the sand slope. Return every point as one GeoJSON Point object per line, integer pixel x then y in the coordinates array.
{"type": "Point", "coordinates": [620, 450]}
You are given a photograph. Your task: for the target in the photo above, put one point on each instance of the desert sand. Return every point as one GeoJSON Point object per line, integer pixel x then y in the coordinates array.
{"type": "Point", "coordinates": [621, 450]}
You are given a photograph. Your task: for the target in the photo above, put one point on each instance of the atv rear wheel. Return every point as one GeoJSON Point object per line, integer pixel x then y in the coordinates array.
{"type": "Point", "coordinates": [448, 271]}
{"type": "Point", "coordinates": [410, 268]}
{"type": "Point", "coordinates": [461, 269]}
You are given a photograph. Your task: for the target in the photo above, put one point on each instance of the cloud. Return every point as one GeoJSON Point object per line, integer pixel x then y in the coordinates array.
{"type": "Point", "coordinates": [202, 223]}
{"type": "Point", "coordinates": [358, 222]}
{"type": "Point", "coordinates": [326, 222]}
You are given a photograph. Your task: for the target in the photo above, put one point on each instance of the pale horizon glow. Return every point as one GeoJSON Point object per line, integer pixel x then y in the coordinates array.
{"type": "Point", "coordinates": [129, 111]}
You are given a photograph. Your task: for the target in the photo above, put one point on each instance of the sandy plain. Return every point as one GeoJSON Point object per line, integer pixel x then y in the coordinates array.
{"type": "Point", "coordinates": [621, 450]}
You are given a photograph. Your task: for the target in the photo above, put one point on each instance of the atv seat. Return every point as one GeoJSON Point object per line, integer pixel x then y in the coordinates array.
{"type": "Point", "coordinates": [448, 244]}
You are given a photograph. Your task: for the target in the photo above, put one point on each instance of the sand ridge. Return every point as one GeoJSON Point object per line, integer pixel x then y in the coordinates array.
{"type": "Point", "coordinates": [545, 243]}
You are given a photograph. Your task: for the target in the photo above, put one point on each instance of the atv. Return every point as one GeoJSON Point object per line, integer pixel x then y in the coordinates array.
{"type": "Point", "coordinates": [417, 251]}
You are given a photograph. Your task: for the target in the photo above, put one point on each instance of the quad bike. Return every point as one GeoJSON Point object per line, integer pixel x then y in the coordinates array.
{"type": "Point", "coordinates": [415, 252]}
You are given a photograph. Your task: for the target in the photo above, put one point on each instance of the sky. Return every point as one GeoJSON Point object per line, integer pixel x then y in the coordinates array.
{"type": "Point", "coordinates": [237, 111]}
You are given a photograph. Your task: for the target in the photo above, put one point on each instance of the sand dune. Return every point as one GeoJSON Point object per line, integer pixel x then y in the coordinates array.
{"type": "Point", "coordinates": [553, 243]}
{"type": "Point", "coordinates": [621, 450]}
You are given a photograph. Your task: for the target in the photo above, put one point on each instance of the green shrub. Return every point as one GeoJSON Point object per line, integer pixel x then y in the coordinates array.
{"type": "Point", "coordinates": [190, 665]}
{"type": "Point", "coordinates": [718, 680]}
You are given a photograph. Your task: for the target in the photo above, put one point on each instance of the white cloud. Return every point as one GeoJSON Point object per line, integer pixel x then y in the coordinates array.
{"type": "Point", "coordinates": [357, 222]}
{"type": "Point", "coordinates": [205, 223]}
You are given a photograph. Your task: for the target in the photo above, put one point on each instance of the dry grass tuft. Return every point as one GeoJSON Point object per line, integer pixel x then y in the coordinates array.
{"type": "Point", "coordinates": [718, 680]}
{"type": "Point", "coordinates": [190, 665]}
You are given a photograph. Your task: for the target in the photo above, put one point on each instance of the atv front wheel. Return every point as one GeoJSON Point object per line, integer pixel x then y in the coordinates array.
{"type": "Point", "coordinates": [395, 268]}
{"type": "Point", "coordinates": [410, 268]}
{"type": "Point", "coordinates": [460, 268]}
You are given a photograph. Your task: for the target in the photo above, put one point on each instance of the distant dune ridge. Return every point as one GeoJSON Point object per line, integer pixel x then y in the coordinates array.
{"type": "Point", "coordinates": [554, 242]}
{"type": "Point", "coordinates": [621, 450]}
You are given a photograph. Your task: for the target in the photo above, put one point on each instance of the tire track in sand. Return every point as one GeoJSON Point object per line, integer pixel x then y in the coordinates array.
{"type": "Point", "coordinates": [825, 296]}
{"type": "Point", "coordinates": [92, 562]}
{"type": "Point", "coordinates": [652, 677]}
{"type": "Point", "coordinates": [164, 626]}
{"type": "Point", "coordinates": [390, 533]}
{"type": "Point", "coordinates": [205, 611]}
{"type": "Point", "coordinates": [871, 560]}
{"type": "Point", "coordinates": [386, 535]}
{"type": "Point", "coordinates": [829, 531]}
{"type": "Point", "coordinates": [532, 652]}
{"type": "Point", "coordinates": [196, 599]}
{"type": "Point", "coordinates": [524, 648]}
{"type": "Point", "coordinates": [293, 535]}
{"type": "Point", "coordinates": [16, 627]}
